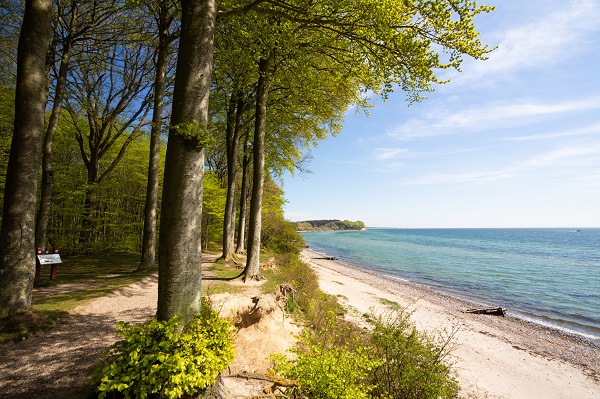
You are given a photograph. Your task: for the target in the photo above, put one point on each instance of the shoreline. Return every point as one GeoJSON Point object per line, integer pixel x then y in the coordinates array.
{"type": "Point", "coordinates": [469, 301]}
{"type": "Point", "coordinates": [502, 357]}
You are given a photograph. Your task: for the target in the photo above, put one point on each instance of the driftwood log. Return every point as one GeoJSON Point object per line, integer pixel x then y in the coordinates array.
{"type": "Point", "coordinates": [278, 384]}
{"type": "Point", "coordinates": [488, 311]}
{"type": "Point", "coordinates": [326, 258]}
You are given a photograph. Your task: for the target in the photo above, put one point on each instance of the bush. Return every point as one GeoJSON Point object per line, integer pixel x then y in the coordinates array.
{"type": "Point", "coordinates": [156, 358]}
{"type": "Point", "coordinates": [280, 236]}
{"type": "Point", "coordinates": [414, 365]}
{"type": "Point", "coordinates": [324, 369]}
{"type": "Point", "coordinates": [308, 298]}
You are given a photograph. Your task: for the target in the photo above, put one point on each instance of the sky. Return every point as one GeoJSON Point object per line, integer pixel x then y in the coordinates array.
{"type": "Point", "coordinates": [513, 141]}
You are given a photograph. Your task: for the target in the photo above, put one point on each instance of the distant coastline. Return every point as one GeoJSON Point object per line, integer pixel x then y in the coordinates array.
{"type": "Point", "coordinates": [328, 225]}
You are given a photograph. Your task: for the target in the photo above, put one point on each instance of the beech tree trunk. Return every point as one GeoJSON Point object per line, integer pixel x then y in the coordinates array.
{"type": "Point", "coordinates": [41, 226]}
{"type": "Point", "coordinates": [252, 269]}
{"type": "Point", "coordinates": [234, 118]}
{"type": "Point", "coordinates": [180, 255]}
{"type": "Point", "coordinates": [241, 241]}
{"type": "Point", "coordinates": [151, 207]}
{"type": "Point", "coordinates": [17, 235]}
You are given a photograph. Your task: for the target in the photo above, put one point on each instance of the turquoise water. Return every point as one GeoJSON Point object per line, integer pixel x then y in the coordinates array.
{"type": "Point", "coordinates": [548, 276]}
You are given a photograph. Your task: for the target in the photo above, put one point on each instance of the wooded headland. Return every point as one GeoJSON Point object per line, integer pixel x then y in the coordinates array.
{"type": "Point", "coordinates": [331, 224]}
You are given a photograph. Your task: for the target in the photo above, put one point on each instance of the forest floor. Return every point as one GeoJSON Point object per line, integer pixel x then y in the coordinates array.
{"type": "Point", "coordinates": [56, 363]}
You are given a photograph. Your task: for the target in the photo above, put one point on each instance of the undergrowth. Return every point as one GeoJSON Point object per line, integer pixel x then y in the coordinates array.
{"type": "Point", "coordinates": [337, 359]}
{"type": "Point", "coordinates": [157, 359]}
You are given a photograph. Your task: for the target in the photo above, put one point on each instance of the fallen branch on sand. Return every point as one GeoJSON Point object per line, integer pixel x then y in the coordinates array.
{"type": "Point", "coordinates": [282, 385]}
{"type": "Point", "coordinates": [488, 311]}
{"type": "Point", "coordinates": [326, 258]}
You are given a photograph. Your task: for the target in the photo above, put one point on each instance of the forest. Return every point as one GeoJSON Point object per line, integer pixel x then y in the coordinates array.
{"type": "Point", "coordinates": [333, 224]}
{"type": "Point", "coordinates": [163, 128]}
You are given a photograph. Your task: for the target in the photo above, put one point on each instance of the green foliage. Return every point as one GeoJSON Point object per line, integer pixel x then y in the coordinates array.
{"type": "Point", "coordinates": [7, 111]}
{"type": "Point", "coordinates": [194, 132]}
{"type": "Point", "coordinates": [308, 299]}
{"type": "Point", "coordinates": [213, 211]}
{"type": "Point", "coordinates": [334, 224]}
{"type": "Point", "coordinates": [278, 235]}
{"type": "Point", "coordinates": [325, 370]}
{"type": "Point", "coordinates": [157, 358]}
{"type": "Point", "coordinates": [414, 365]}
{"type": "Point", "coordinates": [118, 214]}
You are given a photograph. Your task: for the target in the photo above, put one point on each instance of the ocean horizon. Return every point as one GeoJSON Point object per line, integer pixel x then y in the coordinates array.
{"type": "Point", "coordinates": [548, 276]}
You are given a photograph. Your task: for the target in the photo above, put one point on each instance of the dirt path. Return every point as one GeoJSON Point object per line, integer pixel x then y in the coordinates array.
{"type": "Point", "coordinates": [55, 364]}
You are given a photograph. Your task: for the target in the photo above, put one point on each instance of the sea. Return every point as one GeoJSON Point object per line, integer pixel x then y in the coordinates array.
{"type": "Point", "coordinates": [545, 276]}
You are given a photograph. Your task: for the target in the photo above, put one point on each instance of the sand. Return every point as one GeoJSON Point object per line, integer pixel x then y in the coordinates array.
{"type": "Point", "coordinates": [495, 357]}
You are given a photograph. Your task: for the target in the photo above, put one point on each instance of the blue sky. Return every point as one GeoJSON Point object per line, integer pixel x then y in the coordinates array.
{"type": "Point", "coordinates": [511, 142]}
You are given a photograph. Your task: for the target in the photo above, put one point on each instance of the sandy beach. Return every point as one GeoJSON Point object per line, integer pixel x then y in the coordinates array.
{"type": "Point", "coordinates": [495, 357]}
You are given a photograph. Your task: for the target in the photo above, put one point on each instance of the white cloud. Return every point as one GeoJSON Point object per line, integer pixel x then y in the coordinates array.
{"type": "Point", "coordinates": [585, 130]}
{"type": "Point", "coordinates": [546, 40]}
{"type": "Point", "coordinates": [383, 154]}
{"type": "Point", "coordinates": [562, 154]}
{"type": "Point", "coordinates": [486, 117]}
{"type": "Point", "coordinates": [557, 162]}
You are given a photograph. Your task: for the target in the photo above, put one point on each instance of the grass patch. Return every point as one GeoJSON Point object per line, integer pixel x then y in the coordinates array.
{"type": "Point", "coordinates": [86, 269]}
{"type": "Point", "coordinates": [216, 287]}
{"type": "Point", "coordinates": [274, 279]}
{"type": "Point", "coordinates": [391, 304]}
{"type": "Point", "coordinates": [21, 326]}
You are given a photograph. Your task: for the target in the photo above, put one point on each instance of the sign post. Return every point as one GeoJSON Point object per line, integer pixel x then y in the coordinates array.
{"type": "Point", "coordinates": [47, 258]}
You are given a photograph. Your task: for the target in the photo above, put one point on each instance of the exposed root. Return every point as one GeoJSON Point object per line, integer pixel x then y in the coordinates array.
{"type": "Point", "coordinates": [262, 306]}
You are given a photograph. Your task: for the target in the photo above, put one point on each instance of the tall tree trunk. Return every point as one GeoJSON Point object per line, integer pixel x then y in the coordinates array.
{"type": "Point", "coordinates": [241, 242]}
{"type": "Point", "coordinates": [180, 255]}
{"type": "Point", "coordinates": [17, 235]}
{"type": "Point", "coordinates": [234, 118]}
{"type": "Point", "coordinates": [151, 207]}
{"type": "Point", "coordinates": [252, 269]}
{"type": "Point", "coordinates": [86, 234]}
{"type": "Point", "coordinates": [41, 226]}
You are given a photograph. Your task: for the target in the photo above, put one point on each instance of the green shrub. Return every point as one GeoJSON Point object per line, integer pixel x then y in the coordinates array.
{"type": "Point", "coordinates": [156, 358]}
{"type": "Point", "coordinates": [414, 365]}
{"type": "Point", "coordinates": [324, 369]}
{"type": "Point", "coordinates": [308, 298]}
{"type": "Point", "coordinates": [280, 236]}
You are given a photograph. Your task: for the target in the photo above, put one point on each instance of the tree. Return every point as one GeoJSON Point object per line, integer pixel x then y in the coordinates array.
{"type": "Point", "coordinates": [73, 23]}
{"type": "Point", "coordinates": [120, 198]}
{"type": "Point", "coordinates": [17, 235]}
{"type": "Point", "coordinates": [213, 208]}
{"type": "Point", "coordinates": [246, 162]}
{"type": "Point", "coordinates": [112, 90]}
{"type": "Point", "coordinates": [370, 45]}
{"type": "Point", "coordinates": [232, 98]}
{"type": "Point", "coordinates": [164, 15]}
{"type": "Point", "coordinates": [180, 254]}
{"type": "Point", "coordinates": [252, 269]}
{"type": "Point", "coordinates": [11, 15]}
